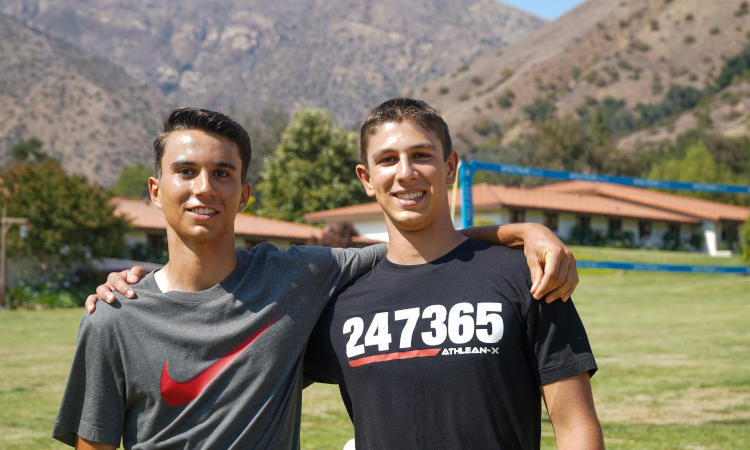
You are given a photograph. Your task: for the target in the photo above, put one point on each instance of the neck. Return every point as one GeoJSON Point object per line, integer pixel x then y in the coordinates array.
{"type": "Point", "coordinates": [412, 247]}
{"type": "Point", "coordinates": [196, 266]}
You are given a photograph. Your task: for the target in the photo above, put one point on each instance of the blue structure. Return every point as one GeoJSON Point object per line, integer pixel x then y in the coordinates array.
{"type": "Point", "coordinates": [468, 168]}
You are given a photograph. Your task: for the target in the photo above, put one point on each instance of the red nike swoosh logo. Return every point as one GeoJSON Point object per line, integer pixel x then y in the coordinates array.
{"type": "Point", "coordinates": [178, 394]}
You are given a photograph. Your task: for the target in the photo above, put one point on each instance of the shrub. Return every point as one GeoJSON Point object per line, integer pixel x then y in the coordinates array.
{"type": "Point", "coordinates": [443, 90]}
{"type": "Point", "coordinates": [506, 100]}
{"type": "Point", "coordinates": [689, 39]}
{"type": "Point", "coordinates": [463, 97]}
{"type": "Point", "coordinates": [539, 109]}
{"type": "Point", "coordinates": [475, 80]}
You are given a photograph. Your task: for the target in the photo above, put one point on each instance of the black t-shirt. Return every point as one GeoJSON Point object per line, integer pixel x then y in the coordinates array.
{"type": "Point", "coordinates": [449, 354]}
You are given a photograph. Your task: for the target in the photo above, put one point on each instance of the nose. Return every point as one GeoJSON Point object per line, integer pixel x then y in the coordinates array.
{"type": "Point", "coordinates": [202, 186]}
{"type": "Point", "coordinates": [405, 170]}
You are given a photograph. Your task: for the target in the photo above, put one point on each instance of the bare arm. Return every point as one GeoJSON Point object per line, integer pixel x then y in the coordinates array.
{"type": "Point", "coordinates": [83, 444]}
{"type": "Point", "coordinates": [552, 265]}
{"type": "Point", "coordinates": [570, 404]}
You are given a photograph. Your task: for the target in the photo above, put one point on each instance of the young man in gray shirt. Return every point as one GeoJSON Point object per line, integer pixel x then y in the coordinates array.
{"type": "Point", "coordinates": [208, 354]}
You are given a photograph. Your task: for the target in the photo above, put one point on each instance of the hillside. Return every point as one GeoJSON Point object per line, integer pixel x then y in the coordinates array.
{"type": "Point", "coordinates": [343, 55]}
{"type": "Point", "coordinates": [632, 50]}
{"type": "Point", "coordinates": [87, 111]}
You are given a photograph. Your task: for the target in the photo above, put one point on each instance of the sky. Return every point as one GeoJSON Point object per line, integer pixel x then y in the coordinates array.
{"type": "Point", "coordinates": [548, 9]}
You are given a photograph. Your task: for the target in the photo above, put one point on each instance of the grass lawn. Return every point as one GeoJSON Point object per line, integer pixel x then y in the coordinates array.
{"type": "Point", "coordinates": [673, 353]}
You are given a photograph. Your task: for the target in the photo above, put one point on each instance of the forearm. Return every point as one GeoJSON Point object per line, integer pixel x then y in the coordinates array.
{"type": "Point", "coordinates": [583, 436]}
{"type": "Point", "coordinates": [508, 235]}
{"type": "Point", "coordinates": [83, 444]}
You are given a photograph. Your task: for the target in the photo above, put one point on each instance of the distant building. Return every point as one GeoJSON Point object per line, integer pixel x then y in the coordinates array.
{"type": "Point", "coordinates": [150, 232]}
{"type": "Point", "coordinates": [602, 207]}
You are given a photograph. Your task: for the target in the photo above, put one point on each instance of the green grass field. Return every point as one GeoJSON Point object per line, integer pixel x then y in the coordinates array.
{"type": "Point", "coordinates": [673, 353]}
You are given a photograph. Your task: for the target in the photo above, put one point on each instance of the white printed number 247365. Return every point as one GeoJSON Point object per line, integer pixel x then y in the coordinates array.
{"type": "Point", "coordinates": [461, 327]}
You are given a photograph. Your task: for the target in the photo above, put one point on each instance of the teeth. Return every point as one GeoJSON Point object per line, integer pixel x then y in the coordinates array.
{"type": "Point", "coordinates": [411, 196]}
{"type": "Point", "coordinates": [204, 210]}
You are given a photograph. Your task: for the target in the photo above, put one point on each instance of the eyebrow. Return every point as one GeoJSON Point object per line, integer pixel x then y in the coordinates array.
{"type": "Point", "coordinates": [220, 164]}
{"type": "Point", "coordinates": [425, 145]}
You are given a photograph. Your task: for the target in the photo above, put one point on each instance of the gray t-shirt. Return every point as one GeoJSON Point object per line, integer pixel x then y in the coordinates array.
{"type": "Point", "coordinates": [220, 368]}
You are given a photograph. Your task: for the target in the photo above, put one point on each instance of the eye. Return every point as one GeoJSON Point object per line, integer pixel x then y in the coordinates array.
{"type": "Point", "coordinates": [422, 155]}
{"type": "Point", "coordinates": [185, 171]}
{"type": "Point", "coordinates": [387, 160]}
{"type": "Point", "coordinates": [221, 173]}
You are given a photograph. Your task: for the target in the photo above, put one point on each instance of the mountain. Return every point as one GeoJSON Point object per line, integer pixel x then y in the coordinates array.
{"type": "Point", "coordinates": [87, 111]}
{"type": "Point", "coordinates": [630, 50]}
{"type": "Point", "coordinates": [237, 55]}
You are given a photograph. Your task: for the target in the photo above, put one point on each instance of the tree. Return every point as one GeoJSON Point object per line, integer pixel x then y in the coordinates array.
{"type": "Point", "coordinates": [746, 242]}
{"type": "Point", "coordinates": [338, 235]}
{"type": "Point", "coordinates": [697, 165]}
{"type": "Point", "coordinates": [265, 131]}
{"type": "Point", "coordinates": [311, 170]}
{"type": "Point", "coordinates": [28, 152]}
{"type": "Point", "coordinates": [133, 182]}
{"type": "Point", "coordinates": [70, 221]}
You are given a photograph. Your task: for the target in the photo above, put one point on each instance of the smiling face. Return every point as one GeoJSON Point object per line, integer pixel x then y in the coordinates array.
{"type": "Point", "coordinates": [408, 175]}
{"type": "Point", "coordinates": [200, 188]}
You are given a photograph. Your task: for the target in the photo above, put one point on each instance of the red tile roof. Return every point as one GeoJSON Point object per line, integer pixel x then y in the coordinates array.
{"type": "Point", "coordinates": [705, 209]}
{"type": "Point", "coordinates": [145, 215]}
{"type": "Point", "coordinates": [577, 196]}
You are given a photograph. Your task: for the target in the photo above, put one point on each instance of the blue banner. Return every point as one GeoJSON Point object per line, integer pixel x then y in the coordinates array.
{"type": "Point", "coordinates": [510, 169]}
{"type": "Point", "coordinates": [644, 267]}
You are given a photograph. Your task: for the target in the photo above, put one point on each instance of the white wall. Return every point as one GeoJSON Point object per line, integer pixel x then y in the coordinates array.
{"type": "Point", "coordinates": [374, 228]}
{"type": "Point", "coordinates": [600, 223]}
{"type": "Point", "coordinates": [630, 225]}
{"type": "Point", "coordinates": [132, 238]}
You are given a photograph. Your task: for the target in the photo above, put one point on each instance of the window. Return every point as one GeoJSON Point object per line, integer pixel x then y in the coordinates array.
{"type": "Point", "coordinates": [157, 243]}
{"type": "Point", "coordinates": [550, 221]}
{"type": "Point", "coordinates": [729, 232]}
{"type": "Point", "coordinates": [517, 216]}
{"type": "Point", "coordinates": [644, 229]}
{"type": "Point", "coordinates": [674, 230]}
{"type": "Point", "coordinates": [584, 223]}
{"type": "Point", "coordinates": [615, 227]}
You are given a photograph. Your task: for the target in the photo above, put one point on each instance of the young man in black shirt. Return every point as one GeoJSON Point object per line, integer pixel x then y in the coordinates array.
{"type": "Point", "coordinates": [441, 346]}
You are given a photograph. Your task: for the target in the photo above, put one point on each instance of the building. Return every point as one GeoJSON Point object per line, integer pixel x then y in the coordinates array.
{"type": "Point", "coordinates": [564, 207]}
{"type": "Point", "coordinates": [150, 231]}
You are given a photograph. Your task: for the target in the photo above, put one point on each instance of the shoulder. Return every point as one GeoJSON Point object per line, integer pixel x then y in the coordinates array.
{"type": "Point", "coordinates": [509, 260]}
{"type": "Point", "coordinates": [108, 316]}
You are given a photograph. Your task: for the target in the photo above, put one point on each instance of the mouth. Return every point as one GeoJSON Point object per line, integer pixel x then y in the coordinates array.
{"type": "Point", "coordinates": [410, 196]}
{"type": "Point", "coordinates": [203, 211]}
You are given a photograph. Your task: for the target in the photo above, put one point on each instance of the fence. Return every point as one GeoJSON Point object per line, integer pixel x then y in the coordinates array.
{"type": "Point", "coordinates": [469, 168]}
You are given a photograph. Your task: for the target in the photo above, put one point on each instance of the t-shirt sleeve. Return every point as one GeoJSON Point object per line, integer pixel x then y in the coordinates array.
{"type": "Point", "coordinates": [93, 404]}
{"type": "Point", "coordinates": [561, 346]}
{"type": "Point", "coordinates": [321, 363]}
{"type": "Point", "coordinates": [334, 268]}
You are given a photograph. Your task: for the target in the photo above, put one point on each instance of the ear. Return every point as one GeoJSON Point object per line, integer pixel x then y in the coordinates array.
{"type": "Point", "coordinates": [364, 177]}
{"type": "Point", "coordinates": [153, 189]}
{"type": "Point", "coordinates": [452, 164]}
{"type": "Point", "coordinates": [247, 189]}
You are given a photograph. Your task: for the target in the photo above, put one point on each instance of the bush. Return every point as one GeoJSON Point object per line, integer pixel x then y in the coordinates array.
{"type": "Point", "coordinates": [506, 100]}
{"type": "Point", "coordinates": [678, 99]}
{"type": "Point", "coordinates": [443, 90]}
{"type": "Point", "coordinates": [539, 109]}
{"type": "Point", "coordinates": [463, 97]}
{"type": "Point", "coordinates": [746, 242]}
{"type": "Point", "coordinates": [734, 67]}
{"type": "Point", "coordinates": [61, 290]}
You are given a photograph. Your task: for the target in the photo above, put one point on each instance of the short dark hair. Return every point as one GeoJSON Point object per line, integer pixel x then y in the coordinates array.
{"type": "Point", "coordinates": [209, 121]}
{"type": "Point", "coordinates": [397, 110]}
